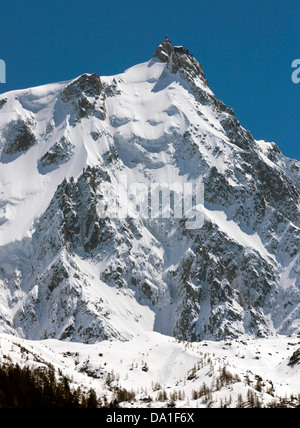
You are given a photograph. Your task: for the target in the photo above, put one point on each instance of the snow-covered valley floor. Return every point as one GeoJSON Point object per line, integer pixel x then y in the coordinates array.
{"type": "Point", "coordinates": [162, 371]}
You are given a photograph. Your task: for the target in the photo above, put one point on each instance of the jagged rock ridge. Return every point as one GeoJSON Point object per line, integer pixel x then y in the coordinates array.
{"type": "Point", "coordinates": [68, 272]}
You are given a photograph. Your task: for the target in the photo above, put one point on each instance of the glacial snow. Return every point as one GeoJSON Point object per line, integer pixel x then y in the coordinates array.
{"type": "Point", "coordinates": [159, 127]}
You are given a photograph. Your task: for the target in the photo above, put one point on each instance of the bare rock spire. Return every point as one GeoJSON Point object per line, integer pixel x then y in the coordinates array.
{"type": "Point", "coordinates": [164, 50]}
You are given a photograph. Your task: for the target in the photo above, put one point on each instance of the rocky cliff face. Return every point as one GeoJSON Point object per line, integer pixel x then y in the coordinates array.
{"type": "Point", "coordinates": [69, 272]}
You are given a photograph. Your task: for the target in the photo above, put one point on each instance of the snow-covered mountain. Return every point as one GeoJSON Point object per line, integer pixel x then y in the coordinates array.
{"type": "Point", "coordinates": [68, 272]}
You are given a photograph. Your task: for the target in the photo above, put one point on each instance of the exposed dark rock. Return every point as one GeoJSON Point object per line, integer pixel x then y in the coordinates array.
{"type": "Point", "coordinates": [87, 97]}
{"type": "Point", "coordinates": [179, 60]}
{"type": "Point", "coordinates": [295, 358]}
{"type": "Point", "coordinates": [60, 153]}
{"type": "Point", "coordinates": [112, 89]}
{"type": "Point", "coordinates": [89, 85]}
{"type": "Point", "coordinates": [164, 51]}
{"type": "Point", "coordinates": [18, 136]}
{"type": "Point", "coordinates": [3, 101]}
{"type": "Point", "coordinates": [236, 133]}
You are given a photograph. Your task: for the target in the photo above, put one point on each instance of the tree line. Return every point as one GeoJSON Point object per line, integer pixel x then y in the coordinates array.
{"type": "Point", "coordinates": [39, 388]}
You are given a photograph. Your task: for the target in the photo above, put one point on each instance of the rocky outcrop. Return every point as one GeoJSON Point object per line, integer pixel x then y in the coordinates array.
{"type": "Point", "coordinates": [179, 60]}
{"type": "Point", "coordinates": [86, 96]}
{"type": "Point", "coordinates": [60, 153]}
{"type": "Point", "coordinates": [164, 51]}
{"type": "Point", "coordinates": [3, 101]}
{"type": "Point", "coordinates": [18, 137]}
{"type": "Point", "coordinates": [295, 358]}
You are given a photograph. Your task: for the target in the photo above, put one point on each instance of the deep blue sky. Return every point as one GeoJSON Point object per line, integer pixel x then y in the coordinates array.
{"type": "Point", "coordinates": [246, 48]}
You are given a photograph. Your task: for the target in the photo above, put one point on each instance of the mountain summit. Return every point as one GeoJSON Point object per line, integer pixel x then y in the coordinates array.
{"type": "Point", "coordinates": [178, 57]}
{"type": "Point", "coordinates": [69, 150]}
{"type": "Point", "coordinates": [179, 60]}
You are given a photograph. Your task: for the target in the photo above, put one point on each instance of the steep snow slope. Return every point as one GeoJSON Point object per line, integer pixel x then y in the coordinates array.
{"type": "Point", "coordinates": [68, 272]}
